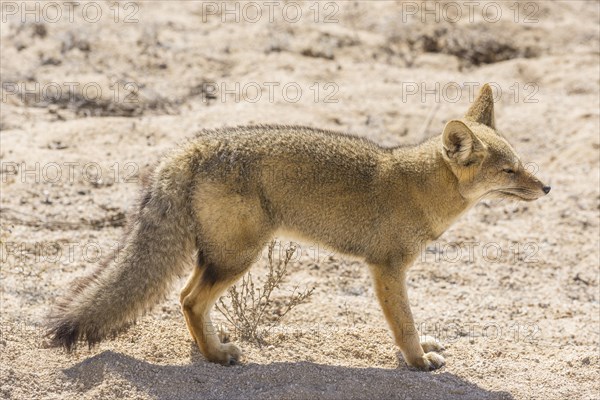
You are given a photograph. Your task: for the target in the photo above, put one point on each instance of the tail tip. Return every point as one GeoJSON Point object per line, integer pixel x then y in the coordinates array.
{"type": "Point", "coordinates": [64, 334]}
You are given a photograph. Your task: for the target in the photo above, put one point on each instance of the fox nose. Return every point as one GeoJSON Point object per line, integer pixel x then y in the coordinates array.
{"type": "Point", "coordinates": [546, 189]}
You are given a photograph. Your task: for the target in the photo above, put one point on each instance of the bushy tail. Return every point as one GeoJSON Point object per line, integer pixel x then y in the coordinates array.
{"type": "Point", "coordinates": [157, 248]}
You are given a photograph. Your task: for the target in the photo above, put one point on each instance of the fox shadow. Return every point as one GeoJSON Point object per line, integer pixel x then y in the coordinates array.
{"type": "Point", "coordinates": [279, 380]}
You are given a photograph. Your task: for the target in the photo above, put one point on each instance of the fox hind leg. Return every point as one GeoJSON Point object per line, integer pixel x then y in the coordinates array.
{"type": "Point", "coordinates": [191, 283]}
{"type": "Point", "coordinates": [234, 229]}
{"type": "Point", "coordinates": [205, 285]}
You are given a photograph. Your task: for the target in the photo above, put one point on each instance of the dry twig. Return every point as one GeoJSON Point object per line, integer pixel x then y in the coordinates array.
{"type": "Point", "coordinates": [249, 306]}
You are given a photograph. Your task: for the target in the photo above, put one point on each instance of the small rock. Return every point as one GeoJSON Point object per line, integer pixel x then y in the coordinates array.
{"type": "Point", "coordinates": [586, 361]}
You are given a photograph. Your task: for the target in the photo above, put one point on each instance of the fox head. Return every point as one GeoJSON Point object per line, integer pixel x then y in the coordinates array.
{"type": "Point", "coordinates": [482, 160]}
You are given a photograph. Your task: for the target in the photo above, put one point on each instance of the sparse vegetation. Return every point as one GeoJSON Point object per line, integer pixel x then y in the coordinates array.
{"type": "Point", "coordinates": [248, 307]}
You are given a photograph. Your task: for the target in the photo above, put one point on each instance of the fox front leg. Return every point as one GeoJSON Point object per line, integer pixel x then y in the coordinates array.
{"type": "Point", "coordinates": [390, 287]}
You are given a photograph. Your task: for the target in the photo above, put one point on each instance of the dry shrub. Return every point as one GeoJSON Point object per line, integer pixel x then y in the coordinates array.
{"type": "Point", "coordinates": [248, 307]}
{"type": "Point", "coordinates": [472, 47]}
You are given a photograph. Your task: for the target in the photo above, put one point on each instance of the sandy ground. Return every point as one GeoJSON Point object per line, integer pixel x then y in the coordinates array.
{"type": "Point", "coordinates": [89, 102]}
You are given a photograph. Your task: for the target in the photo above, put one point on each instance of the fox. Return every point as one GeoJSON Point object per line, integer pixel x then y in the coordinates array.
{"type": "Point", "coordinates": [212, 203]}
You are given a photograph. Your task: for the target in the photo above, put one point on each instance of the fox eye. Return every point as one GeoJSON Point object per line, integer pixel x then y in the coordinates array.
{"type": "Point", "coordinates": [508, 171]}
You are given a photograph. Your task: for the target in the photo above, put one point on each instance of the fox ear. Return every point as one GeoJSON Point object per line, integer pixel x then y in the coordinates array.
{"type": "Point", "coordinates": [460, 144]}
{"type": "Point", "coordinates": [482, 110]}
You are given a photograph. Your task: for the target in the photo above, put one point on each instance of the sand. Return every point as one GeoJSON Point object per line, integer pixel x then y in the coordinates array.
{"type": "Point", "coordinates": [90, 101]}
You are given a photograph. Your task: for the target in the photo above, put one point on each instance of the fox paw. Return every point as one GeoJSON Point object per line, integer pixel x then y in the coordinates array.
{"type": "Point", "coordinates": [227, 354]}
{"type": "Point", "coordinates": [429, 344]}
{"type": "Point", "coordinates": [429, 362]}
